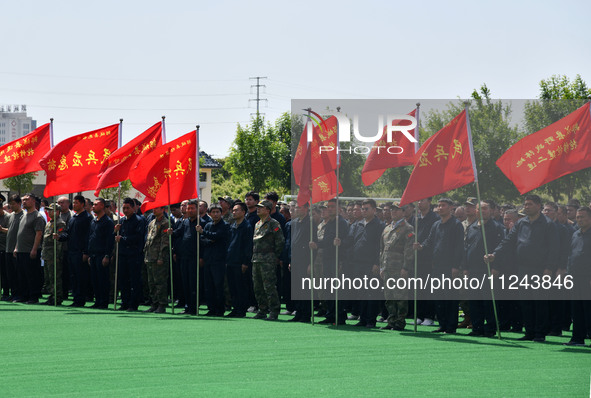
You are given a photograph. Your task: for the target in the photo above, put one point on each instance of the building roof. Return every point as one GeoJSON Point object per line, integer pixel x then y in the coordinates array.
{"type": "Point", "coordinates": [208, 161]}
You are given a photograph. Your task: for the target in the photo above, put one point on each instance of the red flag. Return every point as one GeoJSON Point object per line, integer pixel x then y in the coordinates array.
{"type": "Point", "coordinates": [557, 150]}
{"type": "Point", "coordinates": [444, 162]}
{"type": "Point", "coordinates": [323, 188]}
{"type": "Point", "coordinates": [171, 166]}
{"type": "Point", "coordinates": [385, 155]}
{"type": "Point", "coordinates": [73, 165]}
{"type": "Point", "coordinates": [22, 156]}
{"type": "Point", "coordinates": [122, 161]}
{"type": "Point", "coordinates": [322, 149]}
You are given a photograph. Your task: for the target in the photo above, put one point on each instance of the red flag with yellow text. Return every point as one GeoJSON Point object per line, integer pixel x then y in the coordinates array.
{"type": "Point", "coordinates": [322, 149]}
{"type": "Point", "coordinates": [315, 162]}
{"type": "Point", "coordinates": [385, 155]}
{"type": "Point", "coordinates": [168, 174]}
{"type": "Point", "coordinates": [556, 150]}
{"type": "Point", "coordinates": [444, 162]}
{"type": "Point", "coordinates": [74, 164]}
{"type": "Point", "coordinates": [122, 161]}
{"type": "Point", "coordinates": [22, 156]}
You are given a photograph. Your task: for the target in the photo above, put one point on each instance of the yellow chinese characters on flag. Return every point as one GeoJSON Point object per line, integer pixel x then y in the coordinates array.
{"type": "Point", "coordinates": [22, 155]}
{"type": "Point", "coordinates": [74, 164]}
{"type": "Point", "coordinates": [168, 174]}
{"type": "Point", "coordinates": [444, 162]}
{"type": "Point", "coordinates": [557, 150]}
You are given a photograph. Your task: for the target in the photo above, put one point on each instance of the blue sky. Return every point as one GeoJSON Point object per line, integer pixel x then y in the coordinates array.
{"type": "Point", "coordinates": [87, 65]}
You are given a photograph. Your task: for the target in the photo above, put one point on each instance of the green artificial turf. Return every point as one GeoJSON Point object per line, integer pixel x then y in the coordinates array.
{"type": "Point", "coordinates": [64, 352]}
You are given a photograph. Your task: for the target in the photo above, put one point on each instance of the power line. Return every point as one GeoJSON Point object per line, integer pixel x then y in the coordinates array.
{"type": "Point", "coordinates": [119, 95]}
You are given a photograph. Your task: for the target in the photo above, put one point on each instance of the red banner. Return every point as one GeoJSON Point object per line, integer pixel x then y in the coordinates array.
{"type": "Point", "coordinates": [322, 150]}
{"type": "Point", "coordinates": [73, 165]}
{"type": "Point", "coordinates": [442, 163]}
{"type": "Point", "coordinates": [385, 155]}
{"type": "Point", "coordinates": [168, 174]}
{"type": "Point", "coordinates": [122, 161]}
{"type": "Point", "coordinates": [557, 150]}
{"type": "Point", "coordinates": [22, 156]}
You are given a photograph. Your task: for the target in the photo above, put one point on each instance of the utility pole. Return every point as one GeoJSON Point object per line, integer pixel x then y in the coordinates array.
{"type": "Point", "coordinates": [258, 86]}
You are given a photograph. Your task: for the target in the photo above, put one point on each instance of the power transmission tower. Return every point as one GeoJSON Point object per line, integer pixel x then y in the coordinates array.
{"type": "Point", "coordinates": [258, 86]}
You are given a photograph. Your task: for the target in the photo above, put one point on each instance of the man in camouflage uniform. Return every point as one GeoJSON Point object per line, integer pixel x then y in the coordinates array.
{"type": "Point", "coordinates": [157, 258]}
{"type": "Point", "coordinates": [396, 257]}
{"type": "Point", "coordinates": [47, 250]}
{"type": "Point", "coordinates": [268, 241]}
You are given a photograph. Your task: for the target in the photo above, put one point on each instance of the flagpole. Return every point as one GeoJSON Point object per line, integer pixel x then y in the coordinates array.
{"type": "Point", "coordinates": [492, 292]}
{"type": "Point", "coordinates": [118, 223]}
{"type": "Point", "coordinates": [198, 218]}
{"type": "Point", "coordinates": [169, 226]}
{"type": "Point", "coordinates": [54, 227]}
{"type": "Point", "coordinates": [336, 265]}
{"type": "Point", "coordinates": [311, 230]}
{"type": "Point", "coordinates": [416, 220]}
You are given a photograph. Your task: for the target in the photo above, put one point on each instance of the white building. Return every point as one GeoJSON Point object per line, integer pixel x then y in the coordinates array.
{"type": "Point", "coordinates": [14, 123]}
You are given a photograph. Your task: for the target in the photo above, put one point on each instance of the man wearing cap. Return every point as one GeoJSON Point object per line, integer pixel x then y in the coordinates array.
{"type": "Point", "coordinates": [100, 248]}
{"type": "Point", "coordinates": [157, 257]}
{"type": "Point", "coordinates": [534, 244]}
{"type": "Point", "coordinates": [227, 203]}
{"type": "Point", "coordinates": [47, 254]}
{"type": "Point", "coordinates": [396, 259]}
{"type": "Point", "coordinates": [268, 241]}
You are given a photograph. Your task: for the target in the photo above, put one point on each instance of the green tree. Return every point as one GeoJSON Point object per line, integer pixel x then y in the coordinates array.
{"type": "Point", "coordinates": [111, 193]}
{"type": "Point", "coordinates": [559, 96]}
{"type": "Point", "coordinates": [21, 183]}
{"type": "Point", "coordinates": [260, 154]}
{"type": "Point", "coordinates": [492, 135]}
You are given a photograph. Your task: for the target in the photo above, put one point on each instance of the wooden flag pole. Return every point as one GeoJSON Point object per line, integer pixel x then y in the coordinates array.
{"type": "Point", "coordinates": [117, 234]}
{"type": "Point", "coordinates": [197, 186]}
{"type": "Point", "coordinates": [492, 292]}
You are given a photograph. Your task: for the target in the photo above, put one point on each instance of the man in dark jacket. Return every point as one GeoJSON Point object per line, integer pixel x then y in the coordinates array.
{"type": "Point", "coordinates": [238, 262]}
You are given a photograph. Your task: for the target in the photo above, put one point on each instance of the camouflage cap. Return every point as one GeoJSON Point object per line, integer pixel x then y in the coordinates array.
{"type": "Point", "coordinates": [395, 205]}
{"type": "Point", "coordinates": [471, 201]}
{"type": "Point", "coordinates": [265, 203]}
{"type": "Point", "coordinates": [227, 199]}
{"type": "Point", "coordinates": [52, 207]}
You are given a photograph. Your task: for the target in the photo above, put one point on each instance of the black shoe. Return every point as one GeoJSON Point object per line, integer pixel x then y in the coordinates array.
{"type": "Point", "coordinates": [95, 305]}
{"type": "Point", "coordinates": [526, 338]}
{"type": "Point", "coordinates": [160, 310]}
{"type": "Point", "coordinates": [387, 327]}
{"type": "Point", "coordinates": [475, 334]}
{"type": "Point", "coordinates": [450, 332]}
{"type": "Point", "coordinates": [295, 319]}
{"type": "Point", "coordinates": [360, 324]}
{"type": "Point", "coordinates": [326, 321]}
{"type": "Point", "coordinates": [232, 314]}
{"type": "Point", "coordinates": [32, 301]}
{"type": "Point", "coordinates": [187, 312]}
{"type": "Point", "coordinates": [272, 316]}
{"type": "Point", "coordinates": [575, 343]}
{"type": "Point", "coordinates": [440, 330]}
{"type": "Point", "coordinates": [211, 313]}
{"type": "Point", "coordinates": [77, 305]}
{"type": "Point", "coordinates": [555, 333]}
{"type": "Point", "coordinates": [260, 315]}
{"type": "Point", "coordinates": [539, 339]}
{"type": "Point", "coordinates": [305, 320]}
{"type": "Point", "coordinates": [152, 308]}
{"type": "Point", "coordinates": [131, 309]}
{"type": "Point", "coordinates": [370, 325]}
{"type": "Point", "coordinates": [5, 298]}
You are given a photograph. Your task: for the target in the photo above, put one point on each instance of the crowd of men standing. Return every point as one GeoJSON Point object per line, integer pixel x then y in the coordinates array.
{"type": "Point", "coordinates": [238, 256]}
